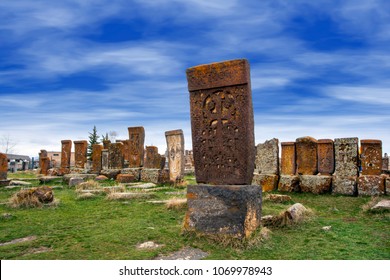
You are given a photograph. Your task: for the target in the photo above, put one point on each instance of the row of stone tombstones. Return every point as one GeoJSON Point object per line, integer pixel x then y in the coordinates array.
{"type": "Point", "coordinates": [322, 166]}
{"type": "Point", "coordinates": [126, 157]}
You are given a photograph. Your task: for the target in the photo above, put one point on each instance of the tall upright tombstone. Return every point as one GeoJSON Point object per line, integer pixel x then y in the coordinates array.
{"type": "Point", "coordinates": [346, 166]}
{"type": "Point", "coordinates": [176, 160]}
{"type": "Point", "coordinates": [325, 156]}
{"type": "Point", "coordinates": [224, 204]}
{"type": "Point", "coordinates": [306, 148]}
{"type": "Point", "coordinates": [288, 160]}
{"type": "Point", "coordinates": [152, 158]}
{"type": "Point", "coordinates": [3, 167]}
{"type": "Point", "coordinates": [371, 156]}
{"type": "Point", "coordinates": [136, 146]}
{"type": "Point", "coordinates": [66, 152]}
{"type": "Point", "coordinates": [80, 153]}
{"type": "Point", "coordinates": [115, 156]}
{"type": "Point", "coordinates": [44, 162]}
{"type": "Point", "coordinates": [97, 158]}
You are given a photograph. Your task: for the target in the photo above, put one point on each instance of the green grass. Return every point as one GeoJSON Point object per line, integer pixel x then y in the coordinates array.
{"type": "Point", "coordinates": [100, 229]}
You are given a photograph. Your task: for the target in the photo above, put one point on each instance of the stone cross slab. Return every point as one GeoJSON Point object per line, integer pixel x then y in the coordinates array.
{"type": "Point", "coordinates": [136, 146]}
{"type": "Point", "coordinates": [222, 122]}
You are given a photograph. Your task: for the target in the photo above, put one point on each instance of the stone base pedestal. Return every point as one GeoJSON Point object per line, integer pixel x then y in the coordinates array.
{"type": "Point", "coordinates": [136, 172]}
{"type": "Point", "coordinates": [125, 178]}
{"type": "Point", "coordinates": [344, 185]}
{"type": "Point", "coordinates": [232, 210]}
{"type": "Point", "coordinates": [371, 185]}
{"type": "Point", "coordinates": [110, 173]}
{"type": "Point", "coordinates": [289, 183]}
{"type": "Point", "coordinates": [317, 184]}
{"type": "Point", "coordinates": [268, 182]}
{"type": "Point", "coordinates": [156, 176]}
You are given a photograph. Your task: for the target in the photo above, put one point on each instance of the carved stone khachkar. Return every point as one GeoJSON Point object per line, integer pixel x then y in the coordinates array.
{"type": "Point", "coordinates": [325, 156]}
{"type": "Point", "coordinates": [344, 179]}
{"type": "Point", "coordinates": [44, 162]}
{"type": "Point", "coordinates": [3, 167]}
{"type": "Point", "coordinates": [176, 160]}
{"type": "Point", "coordinates": [105, 159]}
{"type": "Point", "coordinates": [136, 146]}
{"type": "Point", "coordinates": [288, 160]}
{"type": "Point", "coordinates": [115, 156]}
{"type": "Point", "coordinates": [306, 148]}
{"type": "Point", "coordinates": [371, 157]}
{"type": "Point", "coordinates": [66, 152]}
{"type": "Point", "coordinates": [152, 157]}
{"type": "Point", "coordinates": [223, 147]}
{"type": "Point", "coordinates": [96, 158]}
{"type": "Point", "coordinates": [80, 153]}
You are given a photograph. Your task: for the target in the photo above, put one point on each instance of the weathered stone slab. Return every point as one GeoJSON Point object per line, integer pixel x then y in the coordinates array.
{"type": "Point", "coordinates": [75, 181]}
{"type": "Point", "coordinates": [387, 185]}
{"type": "Point", "coordinates": [156, 175]}
{"type": "Point", "coordinates": [175, 144]}
{"type": "Point", "coordinates": [385, 162]}
{"type": "Point", "coordinates": [317, 184]}
{"type": "Point", "coordinates": [288, 160]}
{"type": "Point", "coordinates": [267, 157]}
{"type": "Point", "coordinates": [268, 182]}
{"type": "Point", "coordinates": [371, 185]}
{"type": "Point", "coordinates": [110, 173]}
{"type": "Point", "coordinates": [223, 210]}
{"type": "Point", "coordinates": [325, 155]}
{"type": "Point", "coordinates": [80, 153]}
{"type": "Point", "coordinates": [371, 157]}
{"type": "Point", "coordinates": [381, 205]}
{"type": "Point", "coordinates": [222, 122]}
{"type": "Point", "coordinates": [346, 157]}
{"type": "Point", "coordinates": [106, 144]}
{"type": "Point", "coordinates": [66, 152]}
{"type": "Point", "coordinates": [125, 178]}
{"type": "Point", "coordinates": [126, 149]}
{"type": "Point", "coordinates": [136, 172]}
{"type": "Point", "coordinates": [289, 183]}
{"type": "Point", "coordinates": [97, 158]}
{"type": "Point", "coordinates": [307, 163]}
{"type": "Point", "coordinates": [344, 185]}
{"type": "Point", "coordinates": [115, 156]}
{"type": "Point", "coordinates": [44, 163]}
{"type": "Point", "coordinates": [66, 178]}
{"type": "Point", "coordinates": [152, 158]}
{"type": "Point", "coordinates": [105, 159]}
{"type": "Point", "coordinates": [136, 146]}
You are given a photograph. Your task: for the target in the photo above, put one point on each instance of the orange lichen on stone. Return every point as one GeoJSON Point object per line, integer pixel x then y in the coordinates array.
{"type": "Point", "coordinates": [288, 160]}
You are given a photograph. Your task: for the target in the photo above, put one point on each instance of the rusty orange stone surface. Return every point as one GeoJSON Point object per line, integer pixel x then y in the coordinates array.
{"type": "Point", "coordinates": [371, 156]}
{"type": "Point", "coordinates": [372, 185]}
{"type": "Point", "coordinates": [152, 158]}
{"type": "Point", "coordinates": [222, 122]}
{"type": "Point", "coordinates": [97, 158]}
{"type": "Point", "coordinates": [306, 148]}
{"type": "Point", "coordinates": [66, 150]}
{"type": "Point", "coordinates": [268, 182]}
{"type": "Point", "coordinates": [80, 153]}
{"type": "Point", "coordinates": [125, 178]}
{"type": "Point", "coordinates": [325, 155]}
{"type": "Point", "coordinates": [288, 160]}
{"type": "Point", "coordinates": [44, 163]}
{"type": "Point", "coordinates": [115, 156]}
{"type": "Point", "coordinates": [3, 166]}
{"type": "Point", "coordinates": [136, 146]}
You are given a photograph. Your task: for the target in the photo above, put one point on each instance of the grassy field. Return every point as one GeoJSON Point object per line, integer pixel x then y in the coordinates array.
{"type": "Point", "coordinates": [98, 228]}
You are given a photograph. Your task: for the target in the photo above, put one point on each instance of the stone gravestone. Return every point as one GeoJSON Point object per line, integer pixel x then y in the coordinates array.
{"type": "Point", "coordinates": [44, 162]}
{"type": "Point", "coordinates": [66, 152]}
{"type": "Point", "coordinates": [152, 157]}
{"type": "Point", "coordinates": [370, 182]}
{"type": "Point", "coordinates": [105, 160]}
{"type": "Point", "coordinates": [267, 165]}
{"type": "Point", "coordinates": [96, 158]}
{"type": "Point", "coordinates": [223, 146]}
{"type": "Point", "coordinates": [136, 146]}
{"type": "Point", "coordinates": [346, 166]}
{"type": "Point", "coordinates": [152, 171]}
{"type": "Point", "coordinates": [371, 157]}
{"type": "Point", "coordinates": [288, 161]}
{"type": "Point", "coordinates": [176, 160]}
{"type": "Point", "coordinates": [115, 156]}
{"type": "Point", "coordinates": [80, 153]}
{"type": "Point", "coordinates": [306, 148]}
{"type": "Point", "coordinates": [3, 167]}
{"type": "Point", "coordinates": [385, 162]}
{"type": "Point", "coordinates": [325, 156]}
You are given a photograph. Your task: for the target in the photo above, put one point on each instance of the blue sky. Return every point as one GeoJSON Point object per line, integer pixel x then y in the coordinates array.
{"type": "Point", "coordinates": [318, 68]}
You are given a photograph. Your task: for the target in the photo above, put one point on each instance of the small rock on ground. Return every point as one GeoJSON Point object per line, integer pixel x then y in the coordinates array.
{"type": "Point", "coordinates": [185, 254]}
{"type": "Point", "coordinates": [148, 245]}
{"type": "Point", "coordinates": [382, 205]}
